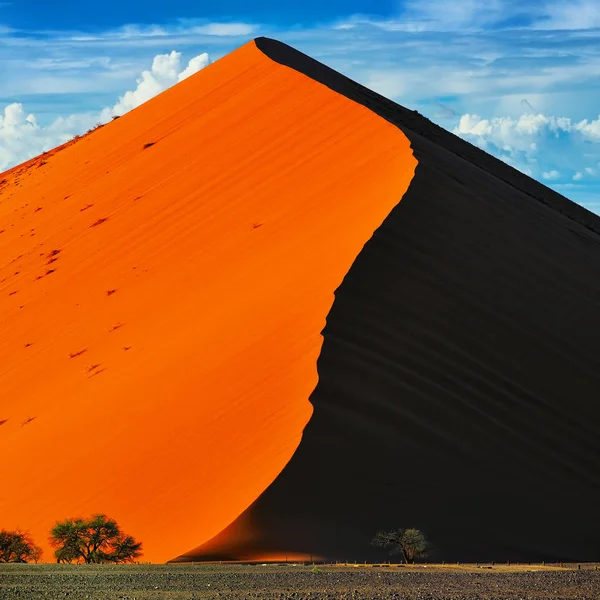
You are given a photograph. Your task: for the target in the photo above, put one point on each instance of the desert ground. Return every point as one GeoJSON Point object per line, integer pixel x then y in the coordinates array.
{"type": "Point", "coordinates": [187, 582]}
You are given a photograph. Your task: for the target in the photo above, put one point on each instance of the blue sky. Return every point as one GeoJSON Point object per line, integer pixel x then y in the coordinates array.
{"type": "Point", "coordinates": [72, 14]}
{"type": "Point", "coordinates": [519, 78]}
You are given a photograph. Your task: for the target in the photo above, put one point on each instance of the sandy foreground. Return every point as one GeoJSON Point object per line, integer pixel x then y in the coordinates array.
{"type": "Point", "coordinates": [179, 582]}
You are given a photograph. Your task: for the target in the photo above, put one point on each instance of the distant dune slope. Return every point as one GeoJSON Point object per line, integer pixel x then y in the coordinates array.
{"type": "Point", "coordinates": [164, 282]}
{"type": "Point", "coordinates": [459, 379]}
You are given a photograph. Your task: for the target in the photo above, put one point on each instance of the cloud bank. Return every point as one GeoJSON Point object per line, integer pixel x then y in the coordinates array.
{"type": "Point", "coordinates": [21, 137]}
{"type": "Point", "coordinates": [549, 148]}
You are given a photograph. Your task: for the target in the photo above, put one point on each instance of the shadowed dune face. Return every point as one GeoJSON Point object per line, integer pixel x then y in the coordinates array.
{"type": "Point", "coordinates": [459, 376]}
{"type": "Point", "coordinates": [163, 285]}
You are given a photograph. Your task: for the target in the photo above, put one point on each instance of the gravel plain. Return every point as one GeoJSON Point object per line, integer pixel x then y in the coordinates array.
{"type": "Point", "coordinates": [236, 582]}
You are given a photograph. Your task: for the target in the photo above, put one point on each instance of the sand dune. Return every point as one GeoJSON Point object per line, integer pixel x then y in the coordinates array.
{"type": "Point", "coordinates": [164, 282]}
{"type": "Point", "coordinates": [168, 325]}
{"type": "Point", "coordinates": [459, 380]}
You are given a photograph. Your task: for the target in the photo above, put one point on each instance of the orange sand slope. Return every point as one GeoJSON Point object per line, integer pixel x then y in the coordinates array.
{"type": "Point", "coordinates": [161, 305]}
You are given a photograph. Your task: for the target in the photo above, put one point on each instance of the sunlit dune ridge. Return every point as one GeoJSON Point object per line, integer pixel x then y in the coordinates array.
{"type": "Point", "coordinates": [163, 286]}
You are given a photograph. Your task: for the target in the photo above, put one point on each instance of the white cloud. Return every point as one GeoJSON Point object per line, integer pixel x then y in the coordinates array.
{"type": "Point", "coordinates": [224, 29]}
{"type": "Point", "coordinates": [440, 15]}
{"type": "Point", "coordinates": [21, 137]}
{"type": "Point", "coordinates": [590, 129]}
{"type": "Point", "coordinates": [387, 25]}
{"type": "Point", "coordinates": [585, 173]}
{"type": "Point", "coordinates": [474, 125]}
{"type": "Point", "coordinates": [390, 84]}
{"type": "Point", "coordinates": [517, 132]}
{"type": "Point", "coordinates": [575, 14]}
{"type": "Point", "coordinates": [476, 15]}
{"type": "Point", "coordinates": [165, 72]}
{"type": "Point", "coordinates": [132, 31]}
{"type": "Point", "coordinates": [184, 27]}
{"type": "Point", "coordinates": [197, 63]}
{"type": "Point", "coordinates": [539, 145]}
{"type": "Point", "coordinates": [459, 14]}
{"type": "Point", "coordinates": [551, 174]}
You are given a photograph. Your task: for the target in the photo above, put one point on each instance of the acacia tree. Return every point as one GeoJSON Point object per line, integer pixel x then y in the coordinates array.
{"type": "Point", "coordinates": [18, 547]}
{"type": "Point", "coordinates": [410, 543]}
{"type": "Point", "coordinates": [98, 539]}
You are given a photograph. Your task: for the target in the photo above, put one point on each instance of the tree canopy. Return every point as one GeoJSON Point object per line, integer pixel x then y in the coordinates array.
{"type": "Point", "coordinates": [18, 547]}
{"type": "Point", "coordinates": [410, 543]}
{"type": "Point", "coordinates": [98, 539]}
